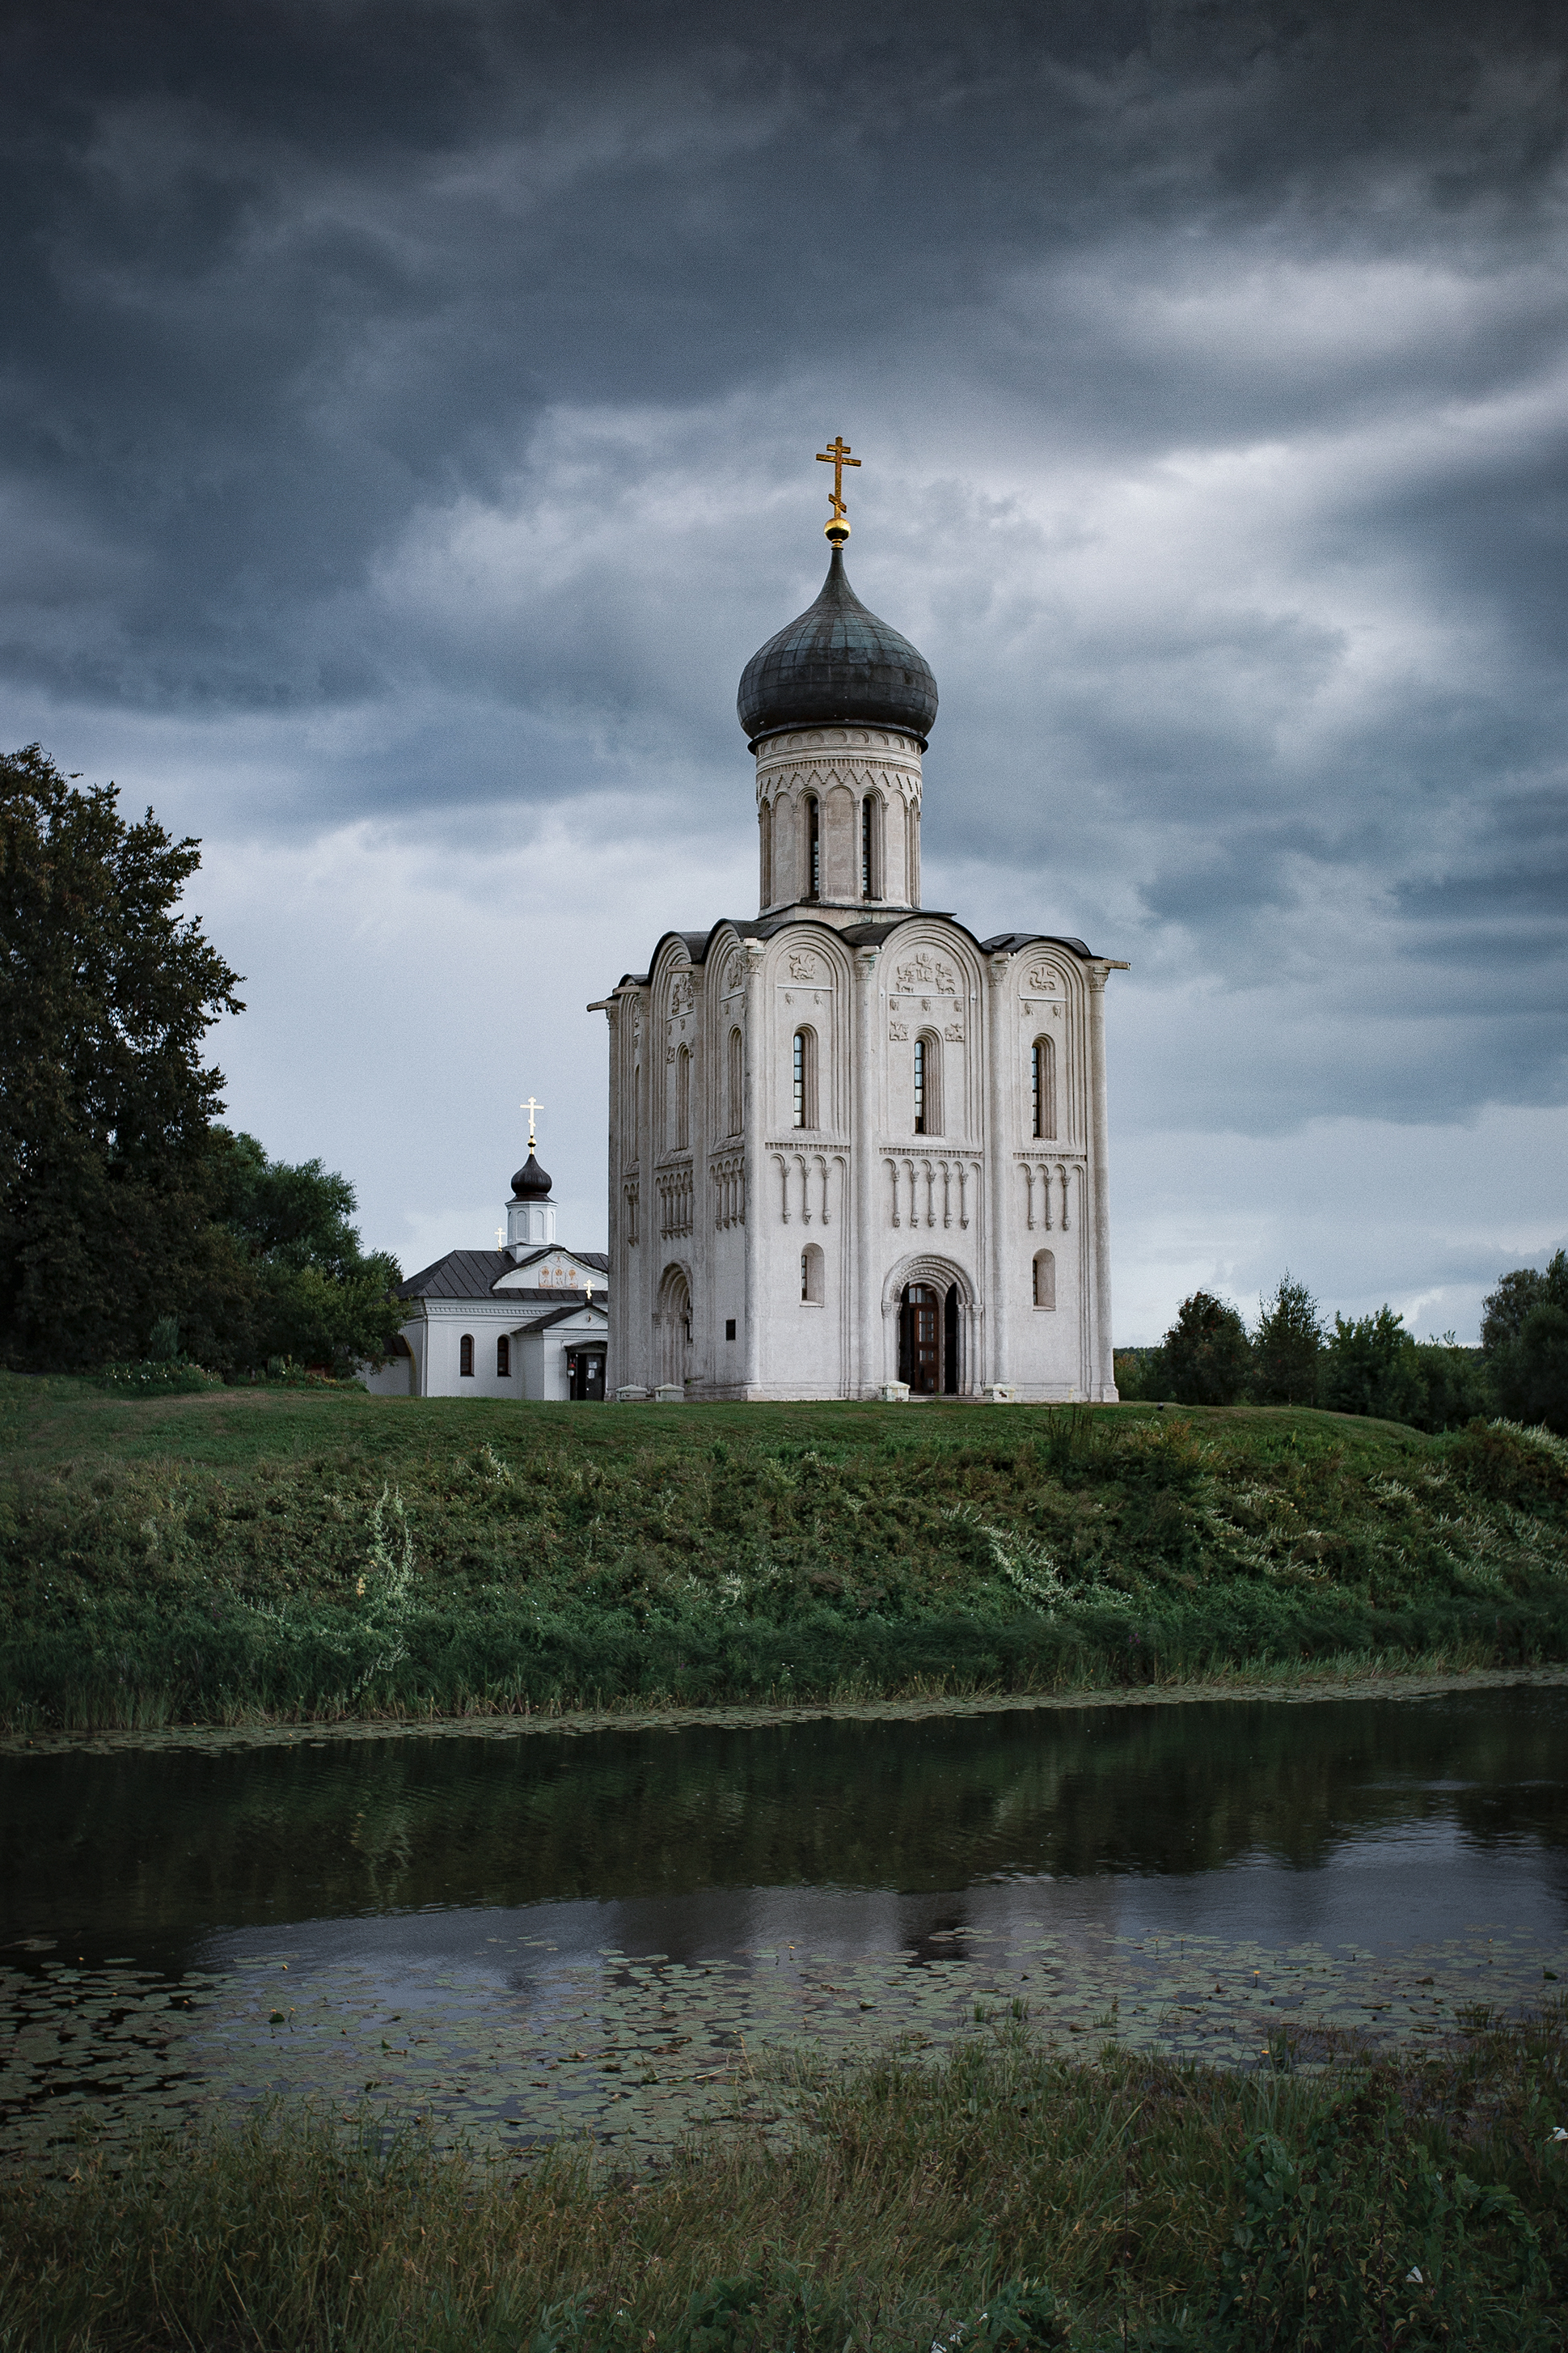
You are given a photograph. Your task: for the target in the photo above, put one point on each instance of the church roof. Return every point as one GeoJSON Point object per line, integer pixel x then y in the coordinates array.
{"type": "Point", "coordinates": [473, 1274]}
{"type": "Point", "coordinates": [557, 1315]}
{"type": "Point", "coordinates": [699, 945]}
{"type": "Point", "coordinates": [837, 664]}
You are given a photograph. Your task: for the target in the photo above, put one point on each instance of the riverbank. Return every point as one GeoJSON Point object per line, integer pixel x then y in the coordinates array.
{"type": "Point", "coordinates": [1000, 2197]}
{"type": "Point", "coordinates": [254, 1557]}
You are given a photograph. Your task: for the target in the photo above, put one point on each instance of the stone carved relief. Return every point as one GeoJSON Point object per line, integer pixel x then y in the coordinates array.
{"type": "Point", "coordinates": [927, 972]}
{"type": "Point", "coordinates": [1042, 976]}
{"type": "Point", "coordinates": [803, 966]}
{"type": "Point", "coordinates": [897, 1029]}
{"type": "Point", "coordinates": [953, 1033]}
{"type": "Point", "coordinates": [734, 973]}
{"type": "Point", "coordinates": [682, 996]}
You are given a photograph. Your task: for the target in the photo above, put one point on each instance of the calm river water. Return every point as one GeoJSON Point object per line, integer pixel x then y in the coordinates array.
{"type": "Point", "coordinates": [622, 1932]}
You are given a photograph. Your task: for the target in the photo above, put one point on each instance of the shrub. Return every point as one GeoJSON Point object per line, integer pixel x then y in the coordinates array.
{"type": "Point", "coordinates": [1207, 1352]}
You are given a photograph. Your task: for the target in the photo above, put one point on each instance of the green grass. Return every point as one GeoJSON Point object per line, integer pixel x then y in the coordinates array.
{"type": "Point", "coordinates": [244, 1553]}
{"type": "Point", "coordinates": [998, 2192]}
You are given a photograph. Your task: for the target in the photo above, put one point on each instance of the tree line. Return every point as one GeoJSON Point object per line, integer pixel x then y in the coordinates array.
{"type": "Point", "coordinates": [1370, 1364]}
{"type": "Point", "coordinates": [133, 1223]}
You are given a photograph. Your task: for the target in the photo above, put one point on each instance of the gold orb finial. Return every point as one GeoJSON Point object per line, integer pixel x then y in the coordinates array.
{"type": "Point", "coordinates": [836, 530]}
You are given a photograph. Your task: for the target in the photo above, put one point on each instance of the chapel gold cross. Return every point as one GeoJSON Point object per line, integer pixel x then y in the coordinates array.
{"type": "Point", "coordinates": [531, 1106]}
{"type": "Point", "coordinates": [836, 455]}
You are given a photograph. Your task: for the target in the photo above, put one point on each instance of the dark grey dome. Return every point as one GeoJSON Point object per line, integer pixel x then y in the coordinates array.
{"type": "Point", "coordinates": [837, 663]}
{"type": "Point", "coordinates": [530, 1183]}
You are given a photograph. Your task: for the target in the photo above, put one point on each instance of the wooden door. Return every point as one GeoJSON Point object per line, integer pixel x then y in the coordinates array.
{"type": "Point", "coordinates": [922, 1339]}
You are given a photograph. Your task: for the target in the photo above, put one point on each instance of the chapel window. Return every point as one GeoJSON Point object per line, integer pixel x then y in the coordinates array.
{"type": "Point", "coordinates": [928, 1085]}
{"type": "Point", "coordinates": [811, 1266]}
{"type": "Point", "coordinates": [682, 1097]}
{"type": "Point", "coordinates": [1043, 1087]}
{"type": "Point", "coordinates": [813, 846]}
{"type": "Point", "coordinates": [737, 1083]}
{"type": "Point", "coordinates": [869, 847]}
{"type": "Point", "coordinates": [803, 1080]}
{"type": "Point", "coordinates": [1044, 1278]}
{"type": "Point", "coordinates": [466, 1356]}
{"type": "Point", "coordinates": [503, 1359]}
{"type": "Point", "coordinates": [767, 820]}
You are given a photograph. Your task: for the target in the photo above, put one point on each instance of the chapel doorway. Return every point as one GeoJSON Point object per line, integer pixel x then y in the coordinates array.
{"type": "Point", "coordinates": [585, 1376]}
{"type": "Point", "coordinates": [927, 1339]}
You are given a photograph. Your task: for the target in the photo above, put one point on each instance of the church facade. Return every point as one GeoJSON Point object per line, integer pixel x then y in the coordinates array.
{"type": "Point", "coordinates": [855, 1150]}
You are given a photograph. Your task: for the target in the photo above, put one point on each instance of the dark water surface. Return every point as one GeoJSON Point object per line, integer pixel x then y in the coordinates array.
{"type": "Point", "coordinates": [518, 1932]}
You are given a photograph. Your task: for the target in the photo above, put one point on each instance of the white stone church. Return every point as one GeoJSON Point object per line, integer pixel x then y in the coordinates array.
{"type": "Point", "coordinates": [855, 1151]}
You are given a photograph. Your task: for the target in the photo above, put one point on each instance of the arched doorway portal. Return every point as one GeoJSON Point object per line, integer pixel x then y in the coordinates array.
{"type": "Point", "coordinates": [674, 1327]}
{"type": "Point", "coordinates": [927, 1339]}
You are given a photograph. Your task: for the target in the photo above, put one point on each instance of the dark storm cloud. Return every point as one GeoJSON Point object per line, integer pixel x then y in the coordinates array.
{"type": "Point", "coordinates": [452, 365]}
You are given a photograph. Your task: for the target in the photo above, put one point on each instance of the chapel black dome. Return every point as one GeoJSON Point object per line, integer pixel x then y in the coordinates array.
{"type": "Point", "coordinates": [530, 1183]}
{"type": "Point", "coordinates": [837, 664]}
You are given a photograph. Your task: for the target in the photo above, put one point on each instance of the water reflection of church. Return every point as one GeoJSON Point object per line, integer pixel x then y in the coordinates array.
{"type": "Point", "coordinates": [852, 1145]}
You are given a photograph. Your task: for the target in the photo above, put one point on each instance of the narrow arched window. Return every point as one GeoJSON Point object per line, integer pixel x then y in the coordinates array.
{"type": "Point", "coordinates": [1044, 1278]}
{"type": "Point", "coordinates": [811, 1276]}
{"type": "Point", "coordinates": [737, 1083]}
{"type": "Point", "coordinates": [466, 1356]}
{"type": "Point", "coordinates": [765, 818]}
{"type": "Point", "coordinates": [911, 854]}
{"type": "Point", "coordinates": [928, 1084]}
{"type": "Point", "coordinates": [1043, 1087]}
{"type": "Point", "coordinates": [682, 1096]}
{"type": "Point", "coordinates": [813, 846]}
{"type": "Point", "coordinates": [503, 1359]}
{"type": "Point", "coordinates": [869, 847]}
{"type": "Point", "coordinates": [803, 1107]}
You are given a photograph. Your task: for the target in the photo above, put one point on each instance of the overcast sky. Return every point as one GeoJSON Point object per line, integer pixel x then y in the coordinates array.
{"type": "Point", "coordinates": [409, 415]}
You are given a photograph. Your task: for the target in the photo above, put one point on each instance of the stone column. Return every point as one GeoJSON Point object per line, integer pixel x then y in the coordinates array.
{"type": "Point", "coordinates": [866, 1304]}
{"type": "Point", "coordinates": [755, 1099]}
{"type": "Point", "coordinates": [1102, 1356]}
{"type": "Point", "coordinates": [1000, 1045]}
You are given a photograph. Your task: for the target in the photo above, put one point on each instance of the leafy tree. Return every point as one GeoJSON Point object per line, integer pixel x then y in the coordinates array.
{"type": "Point", "coordinates": [1455, 1384]}
{"type": "Point", "coordinates": [1532, 1376]}
{"type": "Point", "coordinates": [316, 1296]}
{"type": "Point", "coordinates": [1504, 1311]}
{"type": "Point", "coordinates": [1369, 1367]}
{"type": "Point", "coordinates": [1286, 1345]}
{"type": "Point", "coordinates": [106, 996]}
{"type": "Point", "coordinates": [1208, 1356]}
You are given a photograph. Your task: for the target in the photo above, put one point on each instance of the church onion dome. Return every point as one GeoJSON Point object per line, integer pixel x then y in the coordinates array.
{"type": "Point", "coordinates": [836, 665]}
{"type": "Point", "coordinates": [530, 1183]}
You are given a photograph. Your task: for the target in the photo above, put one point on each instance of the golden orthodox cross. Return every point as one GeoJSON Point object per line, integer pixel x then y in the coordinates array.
{"type": "Point", "coordinates": [531, 1106]}
{"type": "Point", "coordinates": [836, 455]}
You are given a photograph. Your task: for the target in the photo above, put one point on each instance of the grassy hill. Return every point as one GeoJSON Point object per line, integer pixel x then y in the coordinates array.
{"type": "Point", "coordinates": [246, 1552]}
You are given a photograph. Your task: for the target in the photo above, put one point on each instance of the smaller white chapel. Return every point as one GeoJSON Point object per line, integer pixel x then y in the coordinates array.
{"type": "Point", "coordinates": [531, 1320]}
